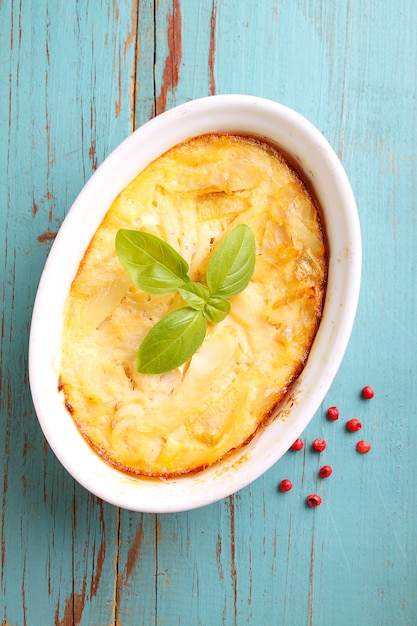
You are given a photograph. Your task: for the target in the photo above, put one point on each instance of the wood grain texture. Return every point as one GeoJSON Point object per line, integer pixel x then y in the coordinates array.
{"type": "Point", "coordinates": [75, 81]}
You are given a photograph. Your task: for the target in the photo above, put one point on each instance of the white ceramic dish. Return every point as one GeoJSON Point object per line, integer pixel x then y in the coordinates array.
{"type": "Point", "coordinates": [322, 168]}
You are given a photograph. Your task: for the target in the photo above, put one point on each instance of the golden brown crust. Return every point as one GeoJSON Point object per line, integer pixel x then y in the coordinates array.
{"type": "Point", "coordinates": [187, 419]}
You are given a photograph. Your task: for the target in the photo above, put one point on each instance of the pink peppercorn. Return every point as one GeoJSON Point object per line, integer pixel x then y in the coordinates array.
{"type": "Point", "coordinates": [319, 445]}
{"type": "Point", "coordinates": [368, 392]}
{"type": "Point", "coordinates": [333, 413]}
{"type": "Point", "coordinates": [285, 485]}
{"type": "Point", "coordinates": [325, 471]}
{"type": "Point", "coordinates": [363, 447]}
{"type": "Point", "coordinates": [313, 500]}
{"type": "Point", "coordinates": [297, 445]}
{"type": "Point", "coordinates": [353, 425]}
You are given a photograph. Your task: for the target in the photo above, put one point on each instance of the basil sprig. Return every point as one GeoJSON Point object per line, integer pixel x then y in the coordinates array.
{"type": "Point", "coordinates": [156, 267]}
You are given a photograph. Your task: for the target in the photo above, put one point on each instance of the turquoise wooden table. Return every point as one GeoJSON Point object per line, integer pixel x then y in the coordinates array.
{"type": "Point", "coordinates": [75, 79]}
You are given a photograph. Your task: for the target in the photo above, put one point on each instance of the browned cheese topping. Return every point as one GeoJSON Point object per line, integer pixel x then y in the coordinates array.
{"type": "Point", "coordinates": [189, 418]}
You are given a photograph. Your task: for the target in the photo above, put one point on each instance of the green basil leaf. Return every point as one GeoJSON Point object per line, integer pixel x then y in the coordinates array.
{"type": "Point", "coordinates": [152, 264]}
{"type": "Point", "coordinates": [216, 309]}
{"type": "Point", "coordinates": [195, 294]}
{"type": "Point", "coordinates": [172, 341]}
{"type": "Point", "coordinates": [231, 266]}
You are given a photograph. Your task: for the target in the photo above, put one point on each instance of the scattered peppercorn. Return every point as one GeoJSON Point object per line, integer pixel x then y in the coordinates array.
{"type": "Point", "coordinates": [368, 392]}
{"type": "Point", "coordinates": [353, 425]}
{"type": "Point", "coordinates": [297, 445]}
{"type": "Point", "coordinates": [319, 445]}
{"type": "Point", "coordinates": [325, 471]}
{"type": "Point", "coordinates": [333, 413]}
{"type": "Point", "coordinates": [313, 500]}
{"type": "Point", "coordinates": [363, 447]}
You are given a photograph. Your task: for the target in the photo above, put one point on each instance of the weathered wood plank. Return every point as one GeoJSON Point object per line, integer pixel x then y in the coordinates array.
{"type": "Point", "coordinates": [66, 97]}
{"type": "Point", "coordinates": [137, 579]}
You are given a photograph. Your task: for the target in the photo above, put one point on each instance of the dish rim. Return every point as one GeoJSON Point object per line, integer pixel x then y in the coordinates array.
{"type": "Point", "coordinates": [319, 164]}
